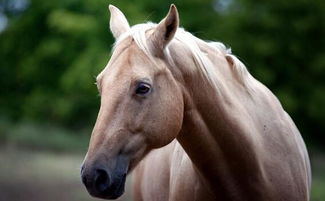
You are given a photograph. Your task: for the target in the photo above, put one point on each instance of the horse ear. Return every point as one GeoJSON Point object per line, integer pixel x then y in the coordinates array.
{"type": "Point", "coordinates": [118, 23]}
{"type": "Point", "coordinates": [166, 29]}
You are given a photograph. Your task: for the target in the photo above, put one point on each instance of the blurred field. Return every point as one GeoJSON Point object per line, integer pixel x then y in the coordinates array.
{"type": "Point", "coordinates": [45, 176]}
{"type": "Point", "coordinates": [42, 176]}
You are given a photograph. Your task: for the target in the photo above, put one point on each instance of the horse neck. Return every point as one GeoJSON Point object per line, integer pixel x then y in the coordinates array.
{"type": "Point", "coordinates": [213, 133]}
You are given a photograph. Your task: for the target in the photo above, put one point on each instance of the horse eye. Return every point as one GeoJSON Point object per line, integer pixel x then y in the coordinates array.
{"type": "Point", "coordinates": [142, 89]}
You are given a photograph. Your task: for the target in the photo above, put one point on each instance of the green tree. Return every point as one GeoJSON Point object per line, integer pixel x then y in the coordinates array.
{"type": "Point", "coordinates": [51, 51]}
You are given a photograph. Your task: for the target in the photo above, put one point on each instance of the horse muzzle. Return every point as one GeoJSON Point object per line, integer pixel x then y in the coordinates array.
{"type": "Point", "coordinates": [104, 182]}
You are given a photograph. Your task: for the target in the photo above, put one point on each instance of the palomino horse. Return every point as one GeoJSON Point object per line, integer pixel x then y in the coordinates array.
{"type": "Point", "coordinates": [208, 129]}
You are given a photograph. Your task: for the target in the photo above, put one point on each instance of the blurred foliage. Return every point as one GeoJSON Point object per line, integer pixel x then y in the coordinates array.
{"type": "Point", "coordinates": [51, 51]}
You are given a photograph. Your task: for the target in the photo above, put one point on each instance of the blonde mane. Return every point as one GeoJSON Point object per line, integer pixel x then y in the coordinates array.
{"type": "Point", "coordinates": [138, 33]}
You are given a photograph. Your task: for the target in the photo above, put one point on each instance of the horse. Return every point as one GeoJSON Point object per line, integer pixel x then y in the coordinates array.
{"type": "Point", "coordinates": [191, 123]}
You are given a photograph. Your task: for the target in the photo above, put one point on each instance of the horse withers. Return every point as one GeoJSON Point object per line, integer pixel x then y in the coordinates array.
{"type": "Point", "coordinates": [191, 121]}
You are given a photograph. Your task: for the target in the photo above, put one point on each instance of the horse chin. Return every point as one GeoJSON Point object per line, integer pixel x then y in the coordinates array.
{"type": "Point", "coordinates": [116, 192]}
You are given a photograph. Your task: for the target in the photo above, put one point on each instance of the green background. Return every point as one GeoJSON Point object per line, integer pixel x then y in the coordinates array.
{"type": "Point", "coordinates": [51, 51]}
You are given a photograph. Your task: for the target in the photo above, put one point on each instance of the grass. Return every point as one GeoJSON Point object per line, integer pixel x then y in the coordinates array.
{"type": "Point", "coordinates": [42, 162]}
{"type": "Point", "coordinates": [43, 137]}
{"type": "Point", "coordinates": [318, 171]}
{"type": "Point", "coordinates": [32, 175]}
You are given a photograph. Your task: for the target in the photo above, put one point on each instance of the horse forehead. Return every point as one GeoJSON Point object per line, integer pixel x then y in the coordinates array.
{"type": "Point", "coordinates": [127, 59]}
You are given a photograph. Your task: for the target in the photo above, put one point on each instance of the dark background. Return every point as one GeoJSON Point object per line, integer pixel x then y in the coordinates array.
{"type": "Point", "coordinates": [51, 51]}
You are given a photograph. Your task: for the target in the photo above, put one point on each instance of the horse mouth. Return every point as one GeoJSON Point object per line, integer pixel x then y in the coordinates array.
{"type": "Point", "coordinates": [111, 192]}
{"type": "Point", "coordinates": [118, 190]}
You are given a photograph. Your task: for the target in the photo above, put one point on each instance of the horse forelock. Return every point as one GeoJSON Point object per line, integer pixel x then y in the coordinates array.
{"type": "Point", "coordinates": [138, 33]}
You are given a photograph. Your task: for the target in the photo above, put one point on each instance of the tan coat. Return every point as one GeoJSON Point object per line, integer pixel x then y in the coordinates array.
{"type": "Point", "coordinates": [201, 125]}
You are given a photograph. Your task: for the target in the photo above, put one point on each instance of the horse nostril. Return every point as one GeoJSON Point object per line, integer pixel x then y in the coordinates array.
{"type": "Point", "coordinates": [102, 181]}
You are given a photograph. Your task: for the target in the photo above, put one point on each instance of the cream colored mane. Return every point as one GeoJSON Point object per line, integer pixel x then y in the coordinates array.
{"type": "Point", "coordinates": [138, 33]}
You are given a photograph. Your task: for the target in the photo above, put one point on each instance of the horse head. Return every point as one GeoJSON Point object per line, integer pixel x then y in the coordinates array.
{"type": "Point", "coordinates": [141, 106]}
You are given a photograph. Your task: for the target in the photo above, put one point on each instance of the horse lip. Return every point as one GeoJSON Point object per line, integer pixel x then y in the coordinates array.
{"type": "Point", "coordinates": [119, 178]}
{"type": "Point", "coordinates": [121, 172]}
{"type": "Point", "coordinates": [117, 190]}
{"type": "Point", "coordinates": [121, 186]}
